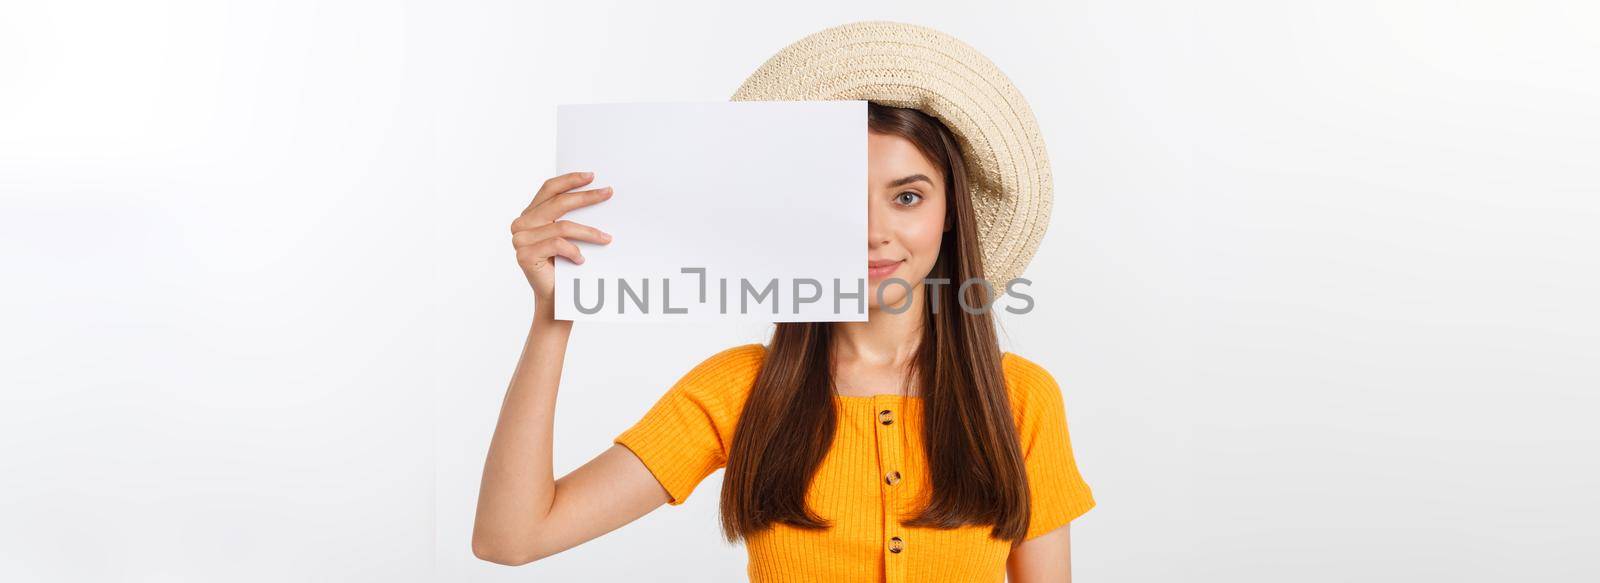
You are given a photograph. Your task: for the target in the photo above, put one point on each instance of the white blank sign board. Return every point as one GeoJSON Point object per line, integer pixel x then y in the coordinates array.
{"type": "Point", "coordinates": [751, 211]}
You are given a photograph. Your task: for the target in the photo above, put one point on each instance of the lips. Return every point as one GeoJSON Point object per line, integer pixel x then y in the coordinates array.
{"type": "Point", "coordinates": [879, 268]}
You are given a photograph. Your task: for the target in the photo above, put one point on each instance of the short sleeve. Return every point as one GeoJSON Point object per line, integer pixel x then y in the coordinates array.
{"type": "Point", "coordinates": [1058, 491]}
{"type": "Point", "coordinates": [683, 437]}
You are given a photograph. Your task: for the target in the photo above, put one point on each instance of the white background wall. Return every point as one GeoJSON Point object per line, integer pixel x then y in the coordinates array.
{"type": "Point", "coordinates": [1319, 287]}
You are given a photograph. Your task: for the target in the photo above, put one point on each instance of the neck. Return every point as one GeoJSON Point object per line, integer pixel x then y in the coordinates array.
{"type": "Point", "coordinates": [886, 338]}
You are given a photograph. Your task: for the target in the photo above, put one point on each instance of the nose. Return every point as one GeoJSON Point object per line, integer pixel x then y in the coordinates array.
{"type": "Point", "coordinates": [877, 227]}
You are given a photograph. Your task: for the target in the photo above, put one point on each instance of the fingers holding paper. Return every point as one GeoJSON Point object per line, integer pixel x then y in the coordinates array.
{"type": "Point", "coordinates": [539, 235]}
{"type": "Point", "coordinates": [559, 184]}
{"type": "Point", "coordinates": [559, 231]}
{"type": "Point", "coordinates": [554, 207]}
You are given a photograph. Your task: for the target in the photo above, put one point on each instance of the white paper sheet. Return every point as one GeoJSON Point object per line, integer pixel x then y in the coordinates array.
{"type": "Point", "coordinates": [767, 198]}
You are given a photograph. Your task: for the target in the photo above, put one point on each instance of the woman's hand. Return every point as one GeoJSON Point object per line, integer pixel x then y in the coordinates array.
{"type": "Point", "coordinates": [539, 235]}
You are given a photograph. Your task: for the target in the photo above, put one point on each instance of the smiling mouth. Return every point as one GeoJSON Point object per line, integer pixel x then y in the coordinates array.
{"type": "Point", "coordinates": [880, 269]}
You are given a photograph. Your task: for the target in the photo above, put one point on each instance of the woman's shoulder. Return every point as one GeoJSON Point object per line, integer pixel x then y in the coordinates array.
{"type": "Point", "coordinates": [726, 376]}
{"type": "Point", "coordinates": [733, 363]}
{"type": "Point", "coordinates": [1029, 384]}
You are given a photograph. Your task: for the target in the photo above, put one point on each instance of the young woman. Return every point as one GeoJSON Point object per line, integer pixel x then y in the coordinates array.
{"type": "Point", "coordinates": [904, 448]}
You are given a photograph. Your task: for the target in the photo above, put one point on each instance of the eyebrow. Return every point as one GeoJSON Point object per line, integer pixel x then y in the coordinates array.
{"type": "Point", "coordinates": [910, 179]}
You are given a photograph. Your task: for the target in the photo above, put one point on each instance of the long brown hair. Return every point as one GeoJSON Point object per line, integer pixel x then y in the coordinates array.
{"type": "Point", "coordinates": [970, 438]}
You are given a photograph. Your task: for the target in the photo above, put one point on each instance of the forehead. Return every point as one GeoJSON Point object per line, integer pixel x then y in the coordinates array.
{"type": "Point", "coordinates": [890, 157]}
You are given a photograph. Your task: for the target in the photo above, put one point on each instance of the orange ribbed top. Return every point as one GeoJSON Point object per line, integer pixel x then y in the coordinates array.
{"type": "Point", "coordinates": [685, 435]}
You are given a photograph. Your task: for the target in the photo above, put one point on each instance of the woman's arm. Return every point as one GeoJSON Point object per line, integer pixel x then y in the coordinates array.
{"type": "Point", "coordinates": [524, 513]}
{"type": "Point", "coordinates": [1046, 558]}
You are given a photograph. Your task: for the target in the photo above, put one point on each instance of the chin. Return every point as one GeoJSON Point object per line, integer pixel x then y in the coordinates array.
{"type": "Point", "coordinates": [897, 297]}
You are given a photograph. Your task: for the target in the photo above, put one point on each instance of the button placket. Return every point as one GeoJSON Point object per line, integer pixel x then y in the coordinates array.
{"type": "Point", "coordinates": [891, 458]}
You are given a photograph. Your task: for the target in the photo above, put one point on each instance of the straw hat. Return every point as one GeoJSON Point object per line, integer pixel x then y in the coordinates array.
{"type": "Point", "coordinates": [905, 65]}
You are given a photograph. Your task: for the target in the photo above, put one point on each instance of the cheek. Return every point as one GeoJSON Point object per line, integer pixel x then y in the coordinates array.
{"type": "Point", "coordinates": [923, 233]}
{"type": "Point", "coordinates": [923, 240]}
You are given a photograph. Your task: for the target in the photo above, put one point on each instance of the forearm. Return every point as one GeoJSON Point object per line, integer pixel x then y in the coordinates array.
{"type": "Point", "coordinates": [518, 485]}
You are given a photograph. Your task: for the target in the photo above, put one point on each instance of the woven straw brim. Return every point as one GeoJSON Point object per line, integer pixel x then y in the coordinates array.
{"type": "Point", "coordinates": [905, 65]}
